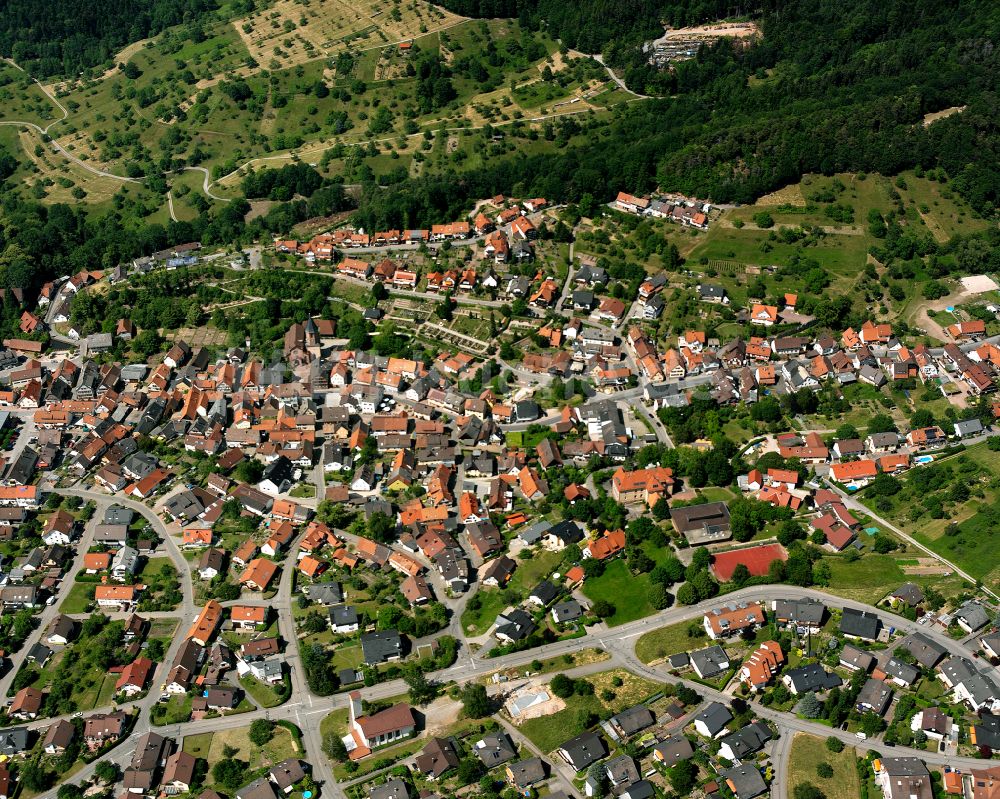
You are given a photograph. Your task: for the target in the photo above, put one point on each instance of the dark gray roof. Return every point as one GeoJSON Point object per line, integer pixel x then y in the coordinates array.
{"type": "Point", "coordinates": [641, 789]}
{"type": "Point", "coordinates": [494, 749]}
{"type": "Point", "coordinates": [710, 661]}
{"type": "Point", "coordinates": [860, 623]}
{"type": "Point", "coordinates": [13, 740]}
{"type": "Point", "coordinates": [910, 593]}
{"type": "Point", "coordinates": [260, 788]}
{"type": "Point", "coordinates": [679, 660]}
{"type": "Point", "coordinates": [748, 740]}
{"type": "Point", "coordinates": [858, 658]}
{"type": "Point", "coordinates": [527, 411]}
{"type": "Point", "coordinates": [715, 716]}
{"type": "Point", "coordinates": [811, 677]}
{"type": "Point", "coordinates": [380, 646]}
{"type": "Point", "coordinates": [899, 669]}
{"type": "Point", "coordinates": [904, 767]}
{"type": "Point", "coordinates": [569, 610]}
{"type": "Point", "coordinates": [973, 614]}
{"type": "Point", "coordinates": [968, 427]}
{"type": "Point", "coordinates": [988, 731]}
{"type": "Point", "coordinates": [544, 592]}
{"type": "Point", "coordinates": [583, 750]}
{"type": "Point", "coordinates": [927, 652]}
{"type": "Point", "coordinates": [875, 695]}
{"type": "Point", "coordinates": [801, 611]}
{"type": "Point", "coordinates": [527, 772]}
{"type": "Point", "coordinates": [633, 719]}
{"type": "Point", "coordinates": [745, 781]}
{"type": "Point", "coordinates": [325, 593]}
{"type": "Point", "coordinates": [621, 770]}
{"type": "Point", "coordinates": [515, 625]}
{"type": "Point", "coordinates": [674, 749]}
{"type": "Point", "coordinates": [393, 788]}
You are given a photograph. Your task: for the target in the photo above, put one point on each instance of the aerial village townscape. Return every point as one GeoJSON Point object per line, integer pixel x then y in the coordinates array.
{"type": "Point", "coordinates": [659, 458]}
{"type": "Point", "coordinates": [579, 555]}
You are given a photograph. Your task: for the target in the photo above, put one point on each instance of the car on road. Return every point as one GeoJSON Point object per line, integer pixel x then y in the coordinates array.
{"type": "Point", "coordinates": [861, 736]}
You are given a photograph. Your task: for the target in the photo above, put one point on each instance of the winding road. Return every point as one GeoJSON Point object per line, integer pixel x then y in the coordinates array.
{"type": "Point", "coordinates": [307, 711]}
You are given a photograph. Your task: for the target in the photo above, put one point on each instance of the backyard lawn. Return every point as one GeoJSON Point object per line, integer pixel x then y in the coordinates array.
{"type": "Point", "coordinates": [175, 710]}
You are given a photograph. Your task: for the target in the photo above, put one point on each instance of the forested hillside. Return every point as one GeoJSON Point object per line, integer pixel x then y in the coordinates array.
{"type": "Point", "coordinates": [833, 86]}
{"type": "Point", "coordinates": [64, 37]}
{"type": "Point", "coordinates": [592, 25]}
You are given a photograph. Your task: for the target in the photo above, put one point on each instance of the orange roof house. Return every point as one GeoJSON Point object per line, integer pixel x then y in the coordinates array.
{"type": "Point", "coordinates": [468, 508]}
{"type": "Point", "coordinates": [786, 476]}
{"type": "Point", "coordinates": [605, 546]}
{"type": "Point", "coordinates": [765, 315]}
{"type": "Point", "coordinates": [870, 332]}
{"type": "Point", "coordinates": [760, 668]}
{"type": "Point", "coordinates": [197, 535]}
{"type": "Point", "coordinates": [642, 485]}
{"type": "Point", "coordinates": [405, 564]}
{"type": "Point", "coordinates": [312, 567]}
{"type": "Point", "coordinates": [94, 562]}
{"type": "Point", "coordinates": [853, 470]}
{"type": "Point", "coordinates": [258, 574]}
{"type": "Point", "coordinates": [248, 615]}
{"type": "Point", "coordinates": [575, 575]}
{"type": "Point", "coordinates": [206, 624]}
{"type": "Point", "coordinates": [733, 619]}
{"type": "Point", "coordinates": [284, 509]}
{"type": "Point", "coordinates": [115, 595]}
{"type": "Point", "coordinates": [135, 675]}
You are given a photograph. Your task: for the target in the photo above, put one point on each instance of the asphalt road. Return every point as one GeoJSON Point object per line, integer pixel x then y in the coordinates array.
{"type": "Point", "coordinates": [306, 710]}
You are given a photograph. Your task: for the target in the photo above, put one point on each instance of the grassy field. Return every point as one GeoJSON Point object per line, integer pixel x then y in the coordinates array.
{"type": "Point", "coordinates": [627, 592]}
{"type": "Point", "coordinates": [807, 752]}
{"type": "Point", "coordinates": [262, 693]}
{"type": "Point", "coordinates": [181, 98]}
{"type": "Point", "coordinates": [955, 513]}
{"type": "Point", "coordinates": [548, 732]}
{"type": "Point", "coordinates": [290, 33]}
{"type": "Point", "coordinates": [175, 710]}
{"type": "Point", "coordinates": [873, 576]}
{"type": "Point", "coordinates": [21, 99]}
{"type": "Point", "coordinates": [388, 753]}
{"type": "Point", "coordinates": [667, 641]}
{"type": "Point", "coordinates": [211, 744]}
{"type": "Point", "coordinates": [476, 621]}
{"type": "Point", "coordinates": [79, 597]}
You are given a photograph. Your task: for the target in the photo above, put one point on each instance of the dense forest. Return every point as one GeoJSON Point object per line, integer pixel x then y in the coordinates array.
{"type": "Point", "coordinates": [591, 25]}
{"type": "Point", "coordinates": [831, 87]}
{"type": "Point", "coordinates": [64, 37]}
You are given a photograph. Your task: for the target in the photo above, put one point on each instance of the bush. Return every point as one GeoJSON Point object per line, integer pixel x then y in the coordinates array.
{"type": "Point", "coordinates": [261, 731]}
{"type": "Point", "coordinates": [834, 744]}
{"type": "Point", "coordinates": [562, 686]}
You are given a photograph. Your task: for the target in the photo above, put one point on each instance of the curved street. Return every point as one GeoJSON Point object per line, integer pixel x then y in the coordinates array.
{"type": "Point", "coordinates": [307, 710]}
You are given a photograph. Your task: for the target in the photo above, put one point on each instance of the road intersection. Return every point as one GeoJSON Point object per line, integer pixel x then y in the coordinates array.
{"type": "Point", "coordinates": [307, 710]}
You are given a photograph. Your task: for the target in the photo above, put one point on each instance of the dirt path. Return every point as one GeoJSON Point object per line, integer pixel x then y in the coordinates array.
{"type": "Point", "coordinates": [933, 328]}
